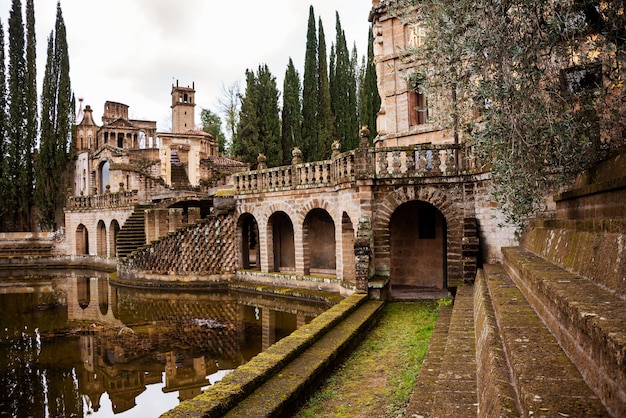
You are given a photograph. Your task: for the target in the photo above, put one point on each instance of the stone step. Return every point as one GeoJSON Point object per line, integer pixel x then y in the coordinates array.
{"type": "Point", "coordinates": [448, 386]}
{"type": "Point", "coordinates": [587, 321]}
{"type": "Point", "coordinates": [132, 234]}
{"type": "Point", "coordinates": [315, 344]}
{"type": "Point", "coordinates": [544, 380]}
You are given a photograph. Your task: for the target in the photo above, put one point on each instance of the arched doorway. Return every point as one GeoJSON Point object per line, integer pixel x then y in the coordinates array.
{"type": "Point", "coordinates": [417, 237]}
{"type": "Point", "coordinates": [249, 247]}
{"type": "Point", "coordinates": [282, 241]}
{"type": "Point", "coordinates": [319, 233]}
{"type": "Point", "coordinates": [83, 291]}
{"type": "Point", "coordinates": [101, 239]}
{"type": "Point", "coordinates": [104, 176]}
{"type": "Point", "coordinates": [114, 229]}
{"type": "Point", "coordinates": [82, 240]}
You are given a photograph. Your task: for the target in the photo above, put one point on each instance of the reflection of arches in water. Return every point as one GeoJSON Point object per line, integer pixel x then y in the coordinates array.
{"type": "Point", "coordinates": [83, 291]}
{"type": "Point", "coordinates": [114, 229]}
{"type": "Point", "coordinates": [103, 295]}
{"type": "Point", "coordinates": [250, 252]}
{"type": "Point", "coordinates": [417, 237]}
{"type": "Point", "coordinates": [82, 240]}
{"type": "Point", "coordinates": [101, 239]}
{"type": "Point", "coordinates": [280, 230]}
{"type": "Point", "coordinates": [319, 234]}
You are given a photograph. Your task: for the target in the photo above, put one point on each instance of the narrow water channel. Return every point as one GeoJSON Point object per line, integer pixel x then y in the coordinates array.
{"type": "Point", "coordinates": [73, 345]}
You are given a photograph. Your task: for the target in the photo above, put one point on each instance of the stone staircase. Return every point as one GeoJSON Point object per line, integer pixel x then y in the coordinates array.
{"type": "Point", "coordinates": [543, 333]}
{"type": "Point", "coordinates": [180, 181]}
{"type": "Point", "coordinates": [132, 235]}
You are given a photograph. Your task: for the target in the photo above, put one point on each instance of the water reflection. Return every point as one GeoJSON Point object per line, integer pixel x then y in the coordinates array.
{"type": "Point", "coordinates": [76, 345]}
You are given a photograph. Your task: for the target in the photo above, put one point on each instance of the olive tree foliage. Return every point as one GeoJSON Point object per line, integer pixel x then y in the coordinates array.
{"type": "Point", "coordinates": [529, 85]}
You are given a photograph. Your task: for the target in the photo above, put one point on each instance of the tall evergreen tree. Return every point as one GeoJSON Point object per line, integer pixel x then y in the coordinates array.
{"type": "Point", "coordinates": [268, 116]}
{"type": "Point", "coordinates": [3, 133]}
{"type": "Point", "coordinates": [292, 113]}
{"type": "Point", "coordinates": [322, 149]}
{"type": "Point", "coordinates": [344, 92]}
{"type": "Point", "coordinates": [309, 88]}
{"type": "Point", "coordinates": [30, 95]}
{"type": "Point", "coordinates": [18, 191]}
{"type": "Point", "coordinates": [246, 141]}
{"type": "Point", "coordinates": [57, 121]}
{"type": "Point", "coordinates": [369, 98]}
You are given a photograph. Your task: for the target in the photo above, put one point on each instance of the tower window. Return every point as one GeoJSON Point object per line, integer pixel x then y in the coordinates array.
{"type": "Point", "coordinates": [418, 107]}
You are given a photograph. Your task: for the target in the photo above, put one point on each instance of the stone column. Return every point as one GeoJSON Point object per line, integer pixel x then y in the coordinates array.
{"type": "Point", "coordinates": [268, 326]}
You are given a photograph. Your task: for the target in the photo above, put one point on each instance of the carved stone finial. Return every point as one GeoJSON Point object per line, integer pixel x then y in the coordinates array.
{"type": "Point", "coordinates": [364, 132]}
{"type": "Point", "coordinates": [261, 161]}
{"type": "Point", "coordinates": [296, 156]}
{"type": "Point", "coordinates": [336, 148]}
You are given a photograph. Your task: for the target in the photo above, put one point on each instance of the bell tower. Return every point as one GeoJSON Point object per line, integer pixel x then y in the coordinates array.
{"type": "Point", "coordinates": [183, 104]}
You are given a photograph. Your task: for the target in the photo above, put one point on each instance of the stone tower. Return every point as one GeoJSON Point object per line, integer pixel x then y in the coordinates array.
{"type": "Point", "coordinates": [183, 104]}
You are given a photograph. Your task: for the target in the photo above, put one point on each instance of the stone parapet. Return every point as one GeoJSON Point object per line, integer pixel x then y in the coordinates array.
{"type": "Point", "coordinates": [102, 201]}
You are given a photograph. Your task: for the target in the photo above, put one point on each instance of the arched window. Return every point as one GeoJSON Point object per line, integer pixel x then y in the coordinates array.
{"type": "Point", "coordinates": [104, 176]}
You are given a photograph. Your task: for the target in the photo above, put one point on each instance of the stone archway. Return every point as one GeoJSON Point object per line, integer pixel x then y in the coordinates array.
{"type": "Point", "coordinates": [281, 236]}
{"type": "Point", "coordinates": [101, 239]}
{"type": "Point", "coordinates": [114, 230]}
{"type": "Point", "coordinates": [248, 239]}
{"type": "Point", "coordinates": [417, 237]}
{"type": "Point", "coordinates": [440, 199]}
{"type": "Point", "coordinates": [319, 236]}
{"type": "Point", "coordinates": [82, 240]}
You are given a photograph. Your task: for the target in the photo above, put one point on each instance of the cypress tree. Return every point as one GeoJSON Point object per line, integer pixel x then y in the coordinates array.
{"type": "Point", "coordinates": [344, 95]}
{"type": "Point", "coordinates": [57, 121]}
{"type": "Point", "coordinates": [369, 98]}
{"type": "Point", "coordinates": [292, 113]}
{"type": "Point", "coordinates": [353, 102]}
{"type": "Point", "coordinates": [246, 143]}
{"type": "Point", "coordinates": [17, 216]}
{"type": "Point", "coordinates": [324, 113]}
{"type": "Point", "coordinates": [309, 89]}
{"type": "Point", "coordinates": [30, 96]}
{"type": "Point", "coordinates": [3, 132]}
{"type": "Point", "coordinates": [268, 116]}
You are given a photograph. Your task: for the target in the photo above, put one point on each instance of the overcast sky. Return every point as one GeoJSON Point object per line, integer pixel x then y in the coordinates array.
{"type": "Point", "coordinates": [132, 51]}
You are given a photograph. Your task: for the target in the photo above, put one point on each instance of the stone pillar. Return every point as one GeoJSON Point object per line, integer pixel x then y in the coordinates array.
{"type": "Point", "coordinates": [175, 218]}
{"type": "Point", "coordinates": [361, 156]}
{"type": "Point", "coordinates": [193, 214]}
{"type": "Point", "coordinates": [268, 326]}
{"type": "Point", "coordinates": [261, 162]}
{"type": "Point", "coordinates": [149, 225]}
{"type": "Point", "coordinates": [363, 253]}
{"type": "Point", "coordinates": [300, 320]}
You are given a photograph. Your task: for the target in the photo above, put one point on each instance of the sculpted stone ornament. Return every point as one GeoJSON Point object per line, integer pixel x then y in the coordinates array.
{"type": "Point", "coordinates": [261, 161]}
{"type": "Point", "coordinates": [336, 148]}
{"type": "Point", "coordinates": [296, 156]}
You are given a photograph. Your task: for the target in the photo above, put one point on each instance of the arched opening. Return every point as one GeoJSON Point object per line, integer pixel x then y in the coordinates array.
{"type": "Point", "coordinates": [319, 233]}
{"type": "Point", "coordinates": [83, 291]}
{"type": "Point", "coordinates": [104, 176]}
{"type": "Point", "coordinates": [283, 246]}
{"type": "Point", "coordinates": [103, 295]}
{"type": "Point", "coordinates": [101, 239]}
{"type": "Point", "coordinates": [347, 249]}
{"type": "Point", "coordinates": [249, 233]}
{"type": "Point", "coordinates": [114, 229]}
{"type": "Point", "coordinates": [417, 232]}
{"type": "Point", "coordinates": [82, 240]}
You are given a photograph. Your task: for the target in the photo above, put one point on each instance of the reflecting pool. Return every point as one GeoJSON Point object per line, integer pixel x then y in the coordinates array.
{"type": "Point", "coordinates": [74, 345]}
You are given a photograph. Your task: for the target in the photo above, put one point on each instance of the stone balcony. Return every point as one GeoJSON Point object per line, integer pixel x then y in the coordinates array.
{"type": "Point", "coordinates": [103, 201]}
{"type": "Point", "coordinates": [422, 160]}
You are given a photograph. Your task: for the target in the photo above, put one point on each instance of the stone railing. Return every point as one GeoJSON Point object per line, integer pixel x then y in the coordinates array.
{"type": "Point", "coordinates": [103, 201]}
{"type": "Point", "coordinates": [423, 160]}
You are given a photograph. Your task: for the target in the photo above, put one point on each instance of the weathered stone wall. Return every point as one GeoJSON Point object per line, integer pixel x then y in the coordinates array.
{"type": "Point", "coordinates": [206, 249]}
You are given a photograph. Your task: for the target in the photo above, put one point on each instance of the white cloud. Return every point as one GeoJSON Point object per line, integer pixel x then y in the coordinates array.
{"type": "Point", "coordinates": [131, 51]}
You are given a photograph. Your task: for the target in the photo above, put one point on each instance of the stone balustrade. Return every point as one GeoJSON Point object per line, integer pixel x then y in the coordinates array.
{"type": "Point", "coordinates": [422, 160]}
{"type": "Point", "coordinates": [103, 201]}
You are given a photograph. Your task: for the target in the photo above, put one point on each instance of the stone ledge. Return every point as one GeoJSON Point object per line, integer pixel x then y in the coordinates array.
{"type": "Point", "coordinates": [588, 321]}
{"type": "Point", "coordinates": [236, 386]}
{"type": "Point", "coordinates": [496, 396]}
{"type": "Point", "coordinates": [595, 188]}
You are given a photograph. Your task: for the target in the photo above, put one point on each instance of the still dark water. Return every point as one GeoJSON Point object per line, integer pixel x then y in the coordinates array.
{"type": "Point", "coordinates": [73, 345]}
